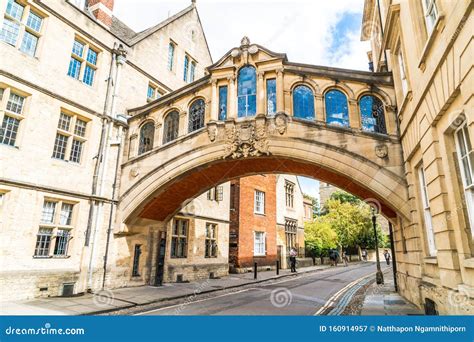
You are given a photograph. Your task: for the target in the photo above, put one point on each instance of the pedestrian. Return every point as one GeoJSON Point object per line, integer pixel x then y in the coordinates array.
{"type": "Point", "coordinates": [336, 257]}
{"type": "Point", "coordinates": [364, 254]}
{"type": "Point", "coordinates": [331, 256]}
{"type": "Point", "coordinates": [387, 256]}
{"type": "Point", "coordinates": [293, 255]}
{"type": "Point", "coordinates": [345, 259]}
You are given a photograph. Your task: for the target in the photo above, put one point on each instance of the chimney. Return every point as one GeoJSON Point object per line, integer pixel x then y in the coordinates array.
{"type": "Point", "coordinates": [102, 10]}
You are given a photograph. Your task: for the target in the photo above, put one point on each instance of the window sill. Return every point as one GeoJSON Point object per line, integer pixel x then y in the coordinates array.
{"type": "Point", "coordinates": [60, 256]}
{"type": "Point", "coordinates": [10, 146]}
{"type": "Point", "coordinates": [259, 255]}
{"type": "Point", "coordinates": [429, 42]}
{"type": "Point", "coordinates": [259, 214]}
{"type": "Point", "coordinates": [433, 260]}
{"type": "Point", "coordinates": [42, 257]}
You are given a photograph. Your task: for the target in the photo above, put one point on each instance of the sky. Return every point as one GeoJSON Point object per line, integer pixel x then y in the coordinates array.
{"type": "Point", "coordinates": [320, 32]}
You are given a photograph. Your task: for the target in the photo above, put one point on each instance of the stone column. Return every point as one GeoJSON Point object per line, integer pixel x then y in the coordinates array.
{"type": "Point", "coordinates": [319, 108]}
{"type": "Point", "coordinates": [354, 117]}
{"type": "Point", "coordinates": [183, 124]}
{"type": "Point", "coordinates": [279, 91]}
{"type": "Point", "coordinates": [260, 93]}
{"type": "Point", "coordinates": [214, 102]}
{"type": "Point", "coordinates": [390, 119]}
{"type": "Point", "coordinates": [232, 107]}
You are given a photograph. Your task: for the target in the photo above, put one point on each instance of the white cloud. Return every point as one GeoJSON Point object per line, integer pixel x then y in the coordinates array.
{"type": "Point", "coordinates": [302, 29]}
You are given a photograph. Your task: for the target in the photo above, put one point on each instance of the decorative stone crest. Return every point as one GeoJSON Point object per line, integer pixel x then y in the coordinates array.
{"type": "Point", "coordinates": [134, 172]}
{"type": "Point", "coordinates": [381, 151]}
{"type": "Point", "coordinates": [246, 139]}
{"type": "Point", "coordinates": [281, 122]}
{"type": "Point", "coordinates": [212, 130]}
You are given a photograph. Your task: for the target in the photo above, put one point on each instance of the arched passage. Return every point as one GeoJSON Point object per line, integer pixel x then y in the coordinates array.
{"type": "Point", "coordinates": [156, 186]}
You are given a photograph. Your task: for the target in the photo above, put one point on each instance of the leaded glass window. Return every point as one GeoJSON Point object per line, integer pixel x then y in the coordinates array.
{"type": "Point", "coordinates": [372, 114]}
{"type": "Point", "coordinates": [15, 103]}
{"type": "Point", "coordinates": [186, 67]}
{"type": "Point", "coordinates": [29, 43]}
{"type": "Point", "coordinates": [147, 133]}
{"type": "Point", "coordinates": [74, 68]}
{"type": "Point", "coordinates": [64, 122]}
{"type": "Point", "coordinates": [303, 103]}
{"type": "Point", "coordinates": [62, 241]}
{"type": "Point", "coordinates": [171, 127]}
{"type": "Point", "coordinates": [192, 72]}
{"type": "Point", "coordinates": [48, 213]}
{"type": "Point", "coordinates": [34, 21]}
{"type": "Point", "coordinates": [247, 91]}
{"type": "Point", "coordinates": [170, 56]}
{"type": "Point", "coordinates": [76, 151]}
{"type": "Point", "coordinates": [223, 103]}
{"type": "Point", "coordinates": [66, 214]}
{"type": "Point", "coordinates": [271, 96]}
{"type": "Point", "coordinates": [179, 239]}
{"type": "Point", "coordinates": [43, 242]}
{"type": "Point", "coordinates": [211, 240]}
{"type": "Point", "coordinates": [196, 115]}
{"type": "Point", "coordinates": [9, 130]}
{"type": "Point", "coordinates": [60, 145]}
{"type": "Point", "coordinates": [337, 112]}
{"type": "Point", "coordinates": [10, 31]}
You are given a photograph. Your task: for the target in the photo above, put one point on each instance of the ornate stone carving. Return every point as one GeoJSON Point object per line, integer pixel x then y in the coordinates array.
{"type": "Point", "coordinates": [212, 131]}
{"type": "Point", "coordinates": [381, 151]}
{"type": "Point", "coordinates": [281, 122]}
{"type": "Point", "coordinates": [246, 139]}
{"type": "Point", "coordinates": [134, 171]}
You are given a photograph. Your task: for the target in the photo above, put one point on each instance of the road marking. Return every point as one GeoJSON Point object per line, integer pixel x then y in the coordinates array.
{"type": "Point", "coordinates": [194, 301]}
{"type": "Point", "coordinates": [303, 275]}
{"type": "Point", "coordinates": [335, 296]}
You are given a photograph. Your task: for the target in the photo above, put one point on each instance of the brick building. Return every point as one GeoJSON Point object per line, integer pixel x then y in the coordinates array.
{"type": "Point", "coordinates": [253, 222]}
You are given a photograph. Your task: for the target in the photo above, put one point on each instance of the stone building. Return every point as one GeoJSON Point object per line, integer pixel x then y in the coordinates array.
{"type": "Point", "coordinates": [429, 47]}
{"type": "Point", "coordinates": [68, 72]}
{"type": "Point", "coordinates": [289, 217]}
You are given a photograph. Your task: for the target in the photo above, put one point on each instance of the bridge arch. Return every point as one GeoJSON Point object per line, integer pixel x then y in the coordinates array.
{"type": "Point", "coordinates": [156, 185]}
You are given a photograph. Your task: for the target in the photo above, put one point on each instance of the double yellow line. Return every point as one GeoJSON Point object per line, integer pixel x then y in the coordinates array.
{"type": "Point", "coordinates": [331, 301]}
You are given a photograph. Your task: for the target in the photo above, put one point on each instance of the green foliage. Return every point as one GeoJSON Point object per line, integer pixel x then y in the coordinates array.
{"type": "Point", "coordinates": [347, 222]}
{"type": "Point", "coordinates": [319, 237]}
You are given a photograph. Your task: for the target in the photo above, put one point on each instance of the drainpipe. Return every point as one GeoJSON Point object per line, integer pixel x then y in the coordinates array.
{"type": "Point", "coordinates": [99, 168]}
{"type": "Point", "coordinates": [120, 60]}
{"type": "Point", "coordinates": [381, 32]}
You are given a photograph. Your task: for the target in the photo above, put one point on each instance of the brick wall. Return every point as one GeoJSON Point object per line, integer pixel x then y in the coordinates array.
{"type": "Point", "coordinates": [244, 222]}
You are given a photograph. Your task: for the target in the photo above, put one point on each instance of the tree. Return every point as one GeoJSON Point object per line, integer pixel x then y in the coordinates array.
{"type": "Point", "coordinates": [319, 237]}
{"type": "Point", "coordinates": [315, 204]}
{"type": "Point", "coordinates": [345, 197]}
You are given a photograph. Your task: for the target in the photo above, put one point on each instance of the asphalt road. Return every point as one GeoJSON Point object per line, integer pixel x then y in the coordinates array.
{"type": "Point", "coordinates": [302, 295]}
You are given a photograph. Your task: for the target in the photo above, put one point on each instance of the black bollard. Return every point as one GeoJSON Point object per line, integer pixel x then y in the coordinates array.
{"type": "Point", "coordinates": [278, 267]}
{"type": "Point", "coordinates": [255, 270]}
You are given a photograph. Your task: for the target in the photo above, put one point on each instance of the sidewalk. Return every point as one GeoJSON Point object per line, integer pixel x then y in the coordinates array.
{"type": "Point", "coordinates": [382, 300]}
{"type": "Point", "coordinates": [109, 300]}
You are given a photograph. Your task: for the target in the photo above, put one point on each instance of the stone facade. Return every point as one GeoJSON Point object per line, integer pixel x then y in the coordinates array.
{"type": "Point", "coordinates": [124, 65]}
{"type": "Point", "coordinates": [429, 47]}
{"type": "Point", "coordinates": [290, 217]}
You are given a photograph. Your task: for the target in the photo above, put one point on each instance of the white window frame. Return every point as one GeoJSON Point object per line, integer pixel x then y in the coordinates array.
{"type": "Point", "coordinates": [402, 69]}
{"type": "Point", "coordinates": [56, 227]}
{"type": "Point", "coordinates": [23, 27]}
{"type": "Point", "coordinates": [7, 92]}
{"type": "Point", "coordinates": [427, 218]}
{"type": "Point", "coordinates": [468, 188]}
{"type": "Point", "coordinates": [84, 63]}
{"type": "Point", "coordinates": [259, 202]}
{"type": "Point", "coordinates": [430, 12]}
{"type": "Point", "coordinates": [259, 246]}
{"type": "Point", "coordinates": [71, 135]}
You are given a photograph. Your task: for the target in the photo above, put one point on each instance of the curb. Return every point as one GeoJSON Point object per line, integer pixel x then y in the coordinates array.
{"type": "Point", "coordinates": [98, 312]}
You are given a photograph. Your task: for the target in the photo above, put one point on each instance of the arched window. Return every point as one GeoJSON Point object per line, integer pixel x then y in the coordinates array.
{"type": "Point", "coordinates": [372, 114]}
{"type": "Point", "coordinates": [247, 91]}
{"type": "Point", "coordinates": [303, 103]}
{"type": "Point", "coordinates": [337, 112]}
{"type": "Point", "coordinates": [171, 127]}
{"type": "Point", "coordinates": [147, 133]}
{"type": "Point", "coordinates": [196, 115]}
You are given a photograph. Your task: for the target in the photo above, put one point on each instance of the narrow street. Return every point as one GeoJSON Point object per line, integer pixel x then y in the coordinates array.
{"type": "Point", "coordinates": [303, 295]}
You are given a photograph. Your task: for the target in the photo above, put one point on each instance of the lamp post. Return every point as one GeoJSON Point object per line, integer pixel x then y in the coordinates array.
{"type": "Point", "coordinates": [379, 274]}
